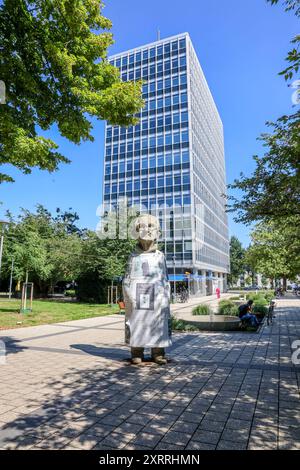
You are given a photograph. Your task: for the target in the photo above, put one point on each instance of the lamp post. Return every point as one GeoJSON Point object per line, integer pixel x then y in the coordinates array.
{"type": "Point", "coordinates": [11, 278]}
{"type": "Point", "coordinates": [2, 223]}
{"type": "Point", "coordinates": [188, 279]}
{"type": "Point", "coordinates": [174, 273]}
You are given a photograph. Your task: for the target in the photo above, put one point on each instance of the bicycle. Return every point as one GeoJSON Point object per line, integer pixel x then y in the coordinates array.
{"type": "Point", "coordinates": [296, 291]}
{"type": "Point", "coordinates": [279, 293]}
{"type": "Point", "coordinates": [184, 296]}
{"type": "Point", "coordinates": [270, 314]}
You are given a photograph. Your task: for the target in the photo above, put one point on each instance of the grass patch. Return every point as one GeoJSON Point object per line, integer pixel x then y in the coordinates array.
{"type": "Point", "coordinates": [202, 309]}
{"type": "Point", "coordinates": [45, 312]}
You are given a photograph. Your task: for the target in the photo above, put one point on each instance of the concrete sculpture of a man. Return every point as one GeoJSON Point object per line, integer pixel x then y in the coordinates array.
{"type": "Point", "coordinates": [146, 292]}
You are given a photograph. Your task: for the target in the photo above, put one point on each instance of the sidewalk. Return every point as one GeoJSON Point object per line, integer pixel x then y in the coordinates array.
{"type": "Point", "coordinates": [70, 386]}
{"type": "Point", "coordinates": [182, 310]}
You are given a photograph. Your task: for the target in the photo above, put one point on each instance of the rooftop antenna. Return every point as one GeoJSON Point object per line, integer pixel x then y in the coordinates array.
{"type": "Point", "coordinates": [158, 35]}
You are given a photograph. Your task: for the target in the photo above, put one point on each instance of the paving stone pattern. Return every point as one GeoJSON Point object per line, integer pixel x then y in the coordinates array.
{"type": "Point", "coordinates": [71, 386]}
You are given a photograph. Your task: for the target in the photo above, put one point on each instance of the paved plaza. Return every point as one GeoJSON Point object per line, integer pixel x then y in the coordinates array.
{"type": "Point", "coordinates": [71, 386]}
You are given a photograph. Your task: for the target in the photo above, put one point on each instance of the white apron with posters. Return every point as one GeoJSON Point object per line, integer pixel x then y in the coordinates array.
{"type": "Point", "coordinates": [146, 291]}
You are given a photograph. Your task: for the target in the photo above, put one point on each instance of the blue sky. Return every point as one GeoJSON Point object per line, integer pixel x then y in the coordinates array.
{"type": "Point", "coordinates": [241, 45]}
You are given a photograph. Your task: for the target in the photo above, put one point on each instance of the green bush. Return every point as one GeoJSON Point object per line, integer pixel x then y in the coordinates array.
{"type": "Point", "coordinates": [227, 307]}
{"type": "Point", "coordinates": [258, 298]}
{"type": "Point", "coordinates": [181, 325]}
{"type": "Point", "coordinates": [70, 293]}
{"type": "Point", "coordinates": [261, 296]}
{"type": "Point", "coordinates": [237, 297]}
{"type": "Point", "coordinates": [268, 295]}
{"type": "Point", "coordinates": [202, 309]}
{"type": "Point", "coordinates": [92, 289]}
{"type": "Point", "coordinates": [260, 308]}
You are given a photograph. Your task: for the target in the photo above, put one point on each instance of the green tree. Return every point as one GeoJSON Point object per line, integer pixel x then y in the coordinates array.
{"type": "Point", "coordinates": [54, 64]}
{"type": "Point", "coordinates": [42, 247]}
{"type": "Point", "coordinates": [102, 261]}
{"type": "Point", "coordinates": [278, 171]}
{"type": "Point", "coordinates": [275, 249]}
{"type": "Point", "coordinates": [53, 248]}
{"type": "Point", "coordinates": [237, 260]}
{"type": "Point", "coordinates": [248, 280]}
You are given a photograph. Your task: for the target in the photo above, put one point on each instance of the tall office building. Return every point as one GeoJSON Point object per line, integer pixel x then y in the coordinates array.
{"type": "Point", "coordinates": [172, 162]}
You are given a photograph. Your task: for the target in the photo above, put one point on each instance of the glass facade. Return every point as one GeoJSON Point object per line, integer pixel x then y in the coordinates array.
{"type": "Point", "coordinates": [172, 162]}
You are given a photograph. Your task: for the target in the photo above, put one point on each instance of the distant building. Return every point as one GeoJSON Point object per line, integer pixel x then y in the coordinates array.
{"type": "Point", "coordinates": [173, 158]}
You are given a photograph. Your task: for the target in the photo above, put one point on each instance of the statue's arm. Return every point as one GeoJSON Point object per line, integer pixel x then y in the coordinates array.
{"type": "Point", "coordinates": [127, 285]}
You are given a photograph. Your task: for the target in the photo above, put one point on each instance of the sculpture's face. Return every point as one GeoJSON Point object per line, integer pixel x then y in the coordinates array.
{"type": "Point", "coordinates": [147, 227]}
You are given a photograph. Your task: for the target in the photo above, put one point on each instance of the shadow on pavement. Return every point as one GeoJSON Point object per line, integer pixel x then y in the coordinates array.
{"type": "Point", "coordinates": [116, 353]}
{"type": "Point", "coordinates": [111, 405]}
{"type": "Point", "coordinates": [12, 345]}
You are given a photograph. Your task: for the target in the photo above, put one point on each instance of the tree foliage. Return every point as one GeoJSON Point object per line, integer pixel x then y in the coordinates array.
{"type": "Point", "coordinates": [53, 248]}
{"type": "Point", "coordinates": [53, 62]}
{"type": "Point", "coordinates": [273, 190]}
{"type": "Point", "coordinates": [275, 249]}
{"type": "Point", "coordinates": [237, 260]}
{"type": "Point", "coordinates": [103, 260]}
{"type": "Point", "coordinates": [42, 246]}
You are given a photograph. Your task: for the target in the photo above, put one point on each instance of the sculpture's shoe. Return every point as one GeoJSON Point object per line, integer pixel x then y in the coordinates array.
{"type": "Point", "coordinates": [136, 360]}
{"type": "Point", "coordinates": [161, 360]}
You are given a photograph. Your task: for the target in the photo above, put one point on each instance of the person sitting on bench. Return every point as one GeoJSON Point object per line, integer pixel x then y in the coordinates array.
{"type": "Point", "coordinates": [246, 315]}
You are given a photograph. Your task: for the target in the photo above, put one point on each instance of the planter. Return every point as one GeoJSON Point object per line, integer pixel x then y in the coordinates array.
{"type": "Point", "coordinates": [214, 322]}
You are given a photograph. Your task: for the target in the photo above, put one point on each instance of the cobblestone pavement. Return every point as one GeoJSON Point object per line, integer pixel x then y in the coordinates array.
{"type": "Point", "coordinates": [70, 386]}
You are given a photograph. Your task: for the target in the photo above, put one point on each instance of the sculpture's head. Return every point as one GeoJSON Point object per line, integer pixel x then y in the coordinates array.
{"type": "Point", "coordinates": [147, 231]}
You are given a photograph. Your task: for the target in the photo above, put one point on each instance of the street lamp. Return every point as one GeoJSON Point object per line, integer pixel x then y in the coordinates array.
{"type": "Point", "coordinates": [187, 273]}
{"type": "Point", "coordinates": [11, 278]}
{"type": "Point", "coordinates": [174, 273]}
{"type": "Point", "coordinates": [3, 223]}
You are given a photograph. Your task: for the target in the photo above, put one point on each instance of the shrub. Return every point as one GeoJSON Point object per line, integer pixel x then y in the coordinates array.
{"type": "Point", "coordinates": [92, 289]}
{"type": "Point", "coordinates": [258, 298]}
{"type": "Point", "coordinates": [260, 308]}
{"type": "Point", "coordinates": [268, 295]}
{"type": "Point", "coordinates": [237, 297]}
{"type": "Point", "coordinates": [70, 293]}
{"type": "Point", "coordinates": [227, 307]}
{"type": "Point", "coordinates": [202, 309]}
{"type": "Point", "coordinates": [181, 325]}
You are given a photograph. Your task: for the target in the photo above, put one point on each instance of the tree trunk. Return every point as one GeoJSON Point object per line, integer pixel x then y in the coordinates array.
{"type": "Point", "coordinates": [284, 283]}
